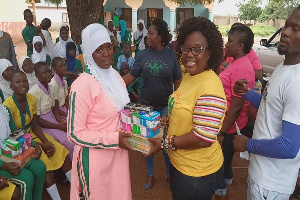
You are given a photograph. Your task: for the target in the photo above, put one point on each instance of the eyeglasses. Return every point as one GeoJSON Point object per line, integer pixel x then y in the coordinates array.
{"type": "Point", "coordinates": [195, 50]}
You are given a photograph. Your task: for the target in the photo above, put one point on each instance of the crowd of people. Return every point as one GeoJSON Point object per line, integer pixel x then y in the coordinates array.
{"type": "Point", "coordinates": [68, 97]}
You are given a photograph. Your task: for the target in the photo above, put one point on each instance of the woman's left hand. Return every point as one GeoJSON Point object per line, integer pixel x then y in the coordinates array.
{"type": "Point", "coordinates": [38, 151]}
{"type": "Point", "coordinates": [155, 146]}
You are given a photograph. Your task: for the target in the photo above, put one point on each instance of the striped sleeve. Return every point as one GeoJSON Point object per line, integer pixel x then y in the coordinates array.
{"type": "Point", "coordinates": [207, 117]}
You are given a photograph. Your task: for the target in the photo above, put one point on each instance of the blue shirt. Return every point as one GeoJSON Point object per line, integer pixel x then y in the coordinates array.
{"type": "Point", "coordinates": [122, 59]}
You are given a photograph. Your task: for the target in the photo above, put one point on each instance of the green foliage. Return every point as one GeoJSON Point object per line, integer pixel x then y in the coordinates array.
{"type": "Point", "coordinates": [278, 9]}
{"type": "Point", "coordinates": [258, 30]}
{"type": "Point", "coordinates": [249, 11]}
{"type": "Point", "coordinates": [55, 2]}
{"type": "Point", "coordinates": [263, 30]}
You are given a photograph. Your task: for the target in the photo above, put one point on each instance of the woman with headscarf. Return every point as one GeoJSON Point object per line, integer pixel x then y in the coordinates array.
{"type": "Point", "coordinates": [39, 54]}
{"type": "Point", "coordinates": [26, 66]}
{"type": "Point", "coordinates": [64, 38]}
{"type": "Point", "coordinates": [74, 66]}
{"type": "Point", "coordinates": [138, 36]}
{"type": "Point", "coordinates": [6, 70]}
{"type": "Point", "coordinates": [101, 164]}
{"type": "Point", "coordinates": [125, 34]}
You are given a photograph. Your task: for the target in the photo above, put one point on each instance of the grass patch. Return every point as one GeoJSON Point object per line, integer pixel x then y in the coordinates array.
{"type": "Point", "coordinates": [258, 30]}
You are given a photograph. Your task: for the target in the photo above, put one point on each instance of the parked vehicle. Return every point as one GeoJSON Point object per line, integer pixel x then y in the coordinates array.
{"type": "Point", "coordinates": [268, 54]}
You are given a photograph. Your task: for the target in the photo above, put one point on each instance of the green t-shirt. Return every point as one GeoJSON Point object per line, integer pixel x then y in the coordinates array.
{"type": "Point", "coordinates": [116, 20]}
{"type": "Point", "coordinates": [28, 33]}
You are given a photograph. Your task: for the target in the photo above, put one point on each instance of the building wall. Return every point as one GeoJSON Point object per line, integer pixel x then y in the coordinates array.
{"type": "Point", "coordinates": [199, 10]}
{"type": "Point", "coordinates": [53, 13]}
{"type": "Point", "coordinates": [11, 17]}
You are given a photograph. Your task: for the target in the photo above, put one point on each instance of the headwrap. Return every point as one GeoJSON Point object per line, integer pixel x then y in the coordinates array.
{"type": "Point", "coordinates": [4, 84]}
{"type": "Point", "coordinates": [60, 47]}
{"type": "Point", "coordinates": [93, 36]}
{"type": "Point", "coordinates": [110, 32]}
{"type": "Point", "coordinates": [139, 33]}
{"type": "Point", "coordinates": [4, 124]}
{"type": "Point", "coordinates": [123, 28]}
{"type": "Point", "coordinates": [31, 77]}
{"type": "Point", "coordinates": [36, 56]}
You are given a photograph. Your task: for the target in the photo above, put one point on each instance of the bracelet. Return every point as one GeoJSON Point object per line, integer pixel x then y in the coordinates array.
{"type": "Point", "coordinates": [167, 143]}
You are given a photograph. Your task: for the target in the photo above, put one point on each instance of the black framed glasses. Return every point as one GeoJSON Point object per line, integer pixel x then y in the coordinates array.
{"type": "Point", "coordinates": [195, 50]}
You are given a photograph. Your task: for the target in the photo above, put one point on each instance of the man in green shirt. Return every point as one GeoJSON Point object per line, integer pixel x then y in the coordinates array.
{"type": "Point", "coordinates": [29, 31]}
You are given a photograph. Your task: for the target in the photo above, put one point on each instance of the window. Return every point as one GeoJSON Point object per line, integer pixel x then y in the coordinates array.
{"type": "Point", "coordinates": [127, 17]}
{"type": "Point", "coordinates": [154, 13]}
{"type": "Point", "coordinates": [183, 14]}
{"type": "Point", "coordinates": [65, 18]}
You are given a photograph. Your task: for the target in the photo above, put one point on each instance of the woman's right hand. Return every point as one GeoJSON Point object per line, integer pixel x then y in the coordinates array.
{"type": "Point", "coordinates": [48, 148]}
{"type": "Point", "coordinates": [12, 167]}
{"type": "Point", "coordinates": [123, 142]}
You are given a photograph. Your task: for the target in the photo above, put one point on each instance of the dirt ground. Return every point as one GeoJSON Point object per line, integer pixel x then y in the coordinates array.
{"type": "Point", "coordinates": [160, 190]}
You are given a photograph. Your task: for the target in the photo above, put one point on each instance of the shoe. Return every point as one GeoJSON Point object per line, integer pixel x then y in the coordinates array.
{"type": "Point", "coordinates": [149, 183]}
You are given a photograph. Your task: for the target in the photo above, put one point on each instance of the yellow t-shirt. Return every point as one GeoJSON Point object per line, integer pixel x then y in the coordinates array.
{"type": "Point", "coordinates": [182, 102]}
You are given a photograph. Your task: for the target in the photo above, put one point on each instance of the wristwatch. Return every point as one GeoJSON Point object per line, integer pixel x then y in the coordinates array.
{"type": "Point", "coordinates": [222, 133]}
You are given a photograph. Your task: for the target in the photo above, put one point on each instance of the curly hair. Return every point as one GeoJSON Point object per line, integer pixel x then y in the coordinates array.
{"type": "Point", "coordinates": [246, 36]}
{"type": "Point", "coordinates": [162, 30]}
{"type": "Point", "coordinates": [211, 34]}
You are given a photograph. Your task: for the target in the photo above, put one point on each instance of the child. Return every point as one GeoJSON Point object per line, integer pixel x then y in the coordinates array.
{"type": "Point", "coordinates": [32, 176]}
{"type": "Point", "coordinates": [134, 89]}
{"type": "Point", "coordinates": [47, 107]}
{"type": "Point", "coordinates": [59, 85]}
{"type": "Point", "coordinates": [27, 66]}
{"type": "Point", "coordinates": [117, 52]}
{"type": "Point", "coordinates": [60, 46]}
{"type": "Point", "coordinates": [39, 54]}
{"type": "Point", "coordinates": [49, 46]}
{"type": "Point", "coordinates": [74, 66]}
{"type": "Point", "coordinates": [6, 70]}
{"type": "Point", "coordinates": [126, 56]}
{"type": "Point", "coordinates": [29, 31]}
{"type": "Point", "coordinates": [23, 107]}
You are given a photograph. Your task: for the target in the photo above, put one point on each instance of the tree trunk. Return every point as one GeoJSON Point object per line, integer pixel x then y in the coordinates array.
{"type": "Point", "coordinates": [81, 13]}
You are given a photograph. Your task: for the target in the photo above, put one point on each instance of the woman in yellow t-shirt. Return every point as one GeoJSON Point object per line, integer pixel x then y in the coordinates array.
{"type": "Point", "coordinates": [196, 113]}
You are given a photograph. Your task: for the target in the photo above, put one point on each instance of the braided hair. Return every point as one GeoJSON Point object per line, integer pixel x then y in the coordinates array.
{"type": "Point", "coordinates": [245, 35]}
{"type": "Point", "coordinates": [162, 30]}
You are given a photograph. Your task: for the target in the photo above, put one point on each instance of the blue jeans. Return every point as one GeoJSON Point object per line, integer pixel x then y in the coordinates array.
{"type": "Point", "coordinates": [194, 188]}
{"type": "Point", "coordinates": [150, 160]}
